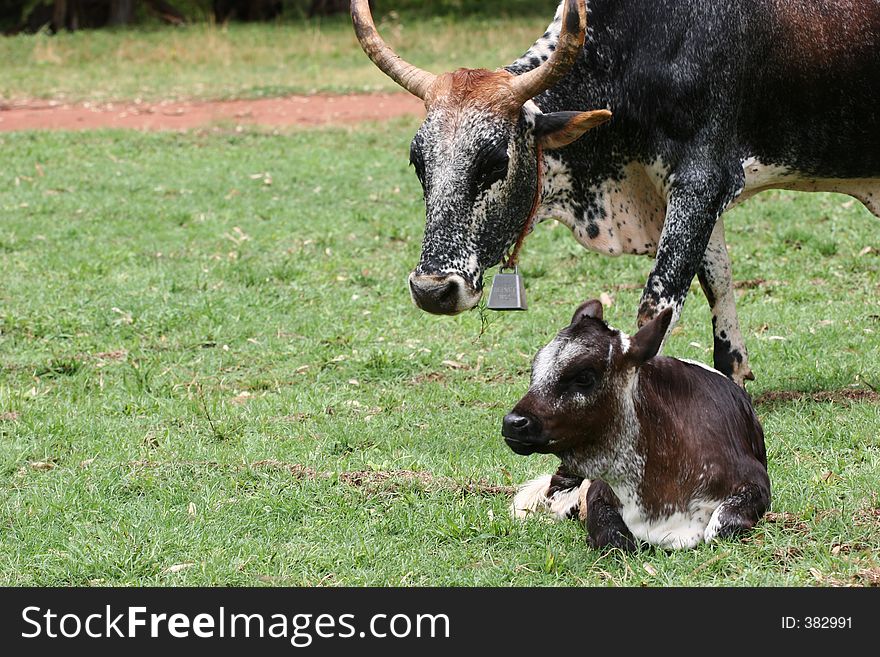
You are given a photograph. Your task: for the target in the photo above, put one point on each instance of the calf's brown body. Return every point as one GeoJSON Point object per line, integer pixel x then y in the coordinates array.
{"type": "Point", "coordinates": [673, 449]}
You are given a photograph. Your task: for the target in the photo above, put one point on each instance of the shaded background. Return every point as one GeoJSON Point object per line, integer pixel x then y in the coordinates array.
{"type": "Point", "coordinates": [29, 16]}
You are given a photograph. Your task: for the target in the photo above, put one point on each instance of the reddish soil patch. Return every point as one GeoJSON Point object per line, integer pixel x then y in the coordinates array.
{"type": "Point", "coordinates": [167, 115]}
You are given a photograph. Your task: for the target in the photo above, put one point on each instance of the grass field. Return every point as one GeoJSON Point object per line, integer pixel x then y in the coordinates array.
{"type": "Point", "coordinates": [250, 61]}
{"type": "Point", "coordinates": [212, 374]}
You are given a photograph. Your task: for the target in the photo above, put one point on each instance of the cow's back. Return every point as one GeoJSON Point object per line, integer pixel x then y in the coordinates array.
{"type": "Point", "coordinates": [811, 90]}
{"type": "Point", "coordinates": [789, 82]}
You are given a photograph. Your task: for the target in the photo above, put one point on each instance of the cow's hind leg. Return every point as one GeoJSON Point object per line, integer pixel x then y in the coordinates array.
{"type": "Point", "coordinates": [730, 355]}
{"type": "Point", "coordinates": [558, 495]}
{"type": "Point", "coordinates": [867, 191]}
{"type": "Point", "coordinates": [605, 526]}
{"type": "Point", "coordinates": [738, 513]}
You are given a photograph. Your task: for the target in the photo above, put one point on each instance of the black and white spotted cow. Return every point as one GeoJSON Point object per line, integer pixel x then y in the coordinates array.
{"type": "Point", "coordinates": [712, 101]}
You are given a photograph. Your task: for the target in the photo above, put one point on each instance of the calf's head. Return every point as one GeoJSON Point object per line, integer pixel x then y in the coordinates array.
{"type": "Point", "coordinates": [580, 382]}
{"type": "Point", "coordinates": [476, 156]}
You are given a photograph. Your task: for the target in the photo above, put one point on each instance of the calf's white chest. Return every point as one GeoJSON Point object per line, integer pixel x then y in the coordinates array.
{"type": "Point", "coordinates": [677, 530]}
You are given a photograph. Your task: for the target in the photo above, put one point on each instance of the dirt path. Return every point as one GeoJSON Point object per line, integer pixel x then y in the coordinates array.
{"type": "Point", "coordinates": [273, 112]}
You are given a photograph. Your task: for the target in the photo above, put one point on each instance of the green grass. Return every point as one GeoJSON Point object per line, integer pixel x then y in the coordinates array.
{"type": "Point", "coordinates": [210, 61]}
{"type": "Point", "coordinates": [169, 320]}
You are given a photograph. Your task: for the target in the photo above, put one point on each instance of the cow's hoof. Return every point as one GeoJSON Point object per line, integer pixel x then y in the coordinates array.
{"type": "Point", "coordinates": [741, 375]}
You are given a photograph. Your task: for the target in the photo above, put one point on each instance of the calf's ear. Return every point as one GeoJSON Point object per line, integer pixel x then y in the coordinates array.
{"type": "Point", "coordinates": [558, 129]}
{"type": "Point", "coordinates": [591, 308]}
{"type": "Point", "coordinates": [645, 344]}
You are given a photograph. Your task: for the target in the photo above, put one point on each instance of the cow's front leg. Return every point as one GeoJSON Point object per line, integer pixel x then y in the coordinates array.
{"type": "Point", "coordinates": [696, 200]}
{"type": "Point", "coordinates": [730, 355]}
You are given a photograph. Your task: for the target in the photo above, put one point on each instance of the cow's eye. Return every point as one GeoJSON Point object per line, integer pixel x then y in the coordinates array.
{"type": "Point", "coordinates": [415, 159]}
{"type": "Point", "coordinates": [585, 381]}
{"type": "Point", "coordinates": [493, 166]}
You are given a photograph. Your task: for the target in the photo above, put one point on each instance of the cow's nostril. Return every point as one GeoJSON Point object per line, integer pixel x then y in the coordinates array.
{"type": "Point", "coordinates": [452, 288]}
{"type": "Point", "coordinates": [520, 422]}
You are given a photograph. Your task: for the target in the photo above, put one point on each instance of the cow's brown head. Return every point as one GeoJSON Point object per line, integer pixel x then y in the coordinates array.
{"type": "Point", "coordinates": [476, 156]}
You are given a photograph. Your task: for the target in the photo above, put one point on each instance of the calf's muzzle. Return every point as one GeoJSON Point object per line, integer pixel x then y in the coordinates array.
{"type": "Point", "coordinates": [523, 434]}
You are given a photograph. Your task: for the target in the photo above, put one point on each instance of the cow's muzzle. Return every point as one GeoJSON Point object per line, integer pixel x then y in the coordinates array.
{"type": "Point", "coordinates": [523, 434]}
{"type": "Point", "coordinates": [443, 294]}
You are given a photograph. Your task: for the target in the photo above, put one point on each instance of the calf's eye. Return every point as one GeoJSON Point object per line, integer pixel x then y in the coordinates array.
{"type": "Point", "coordinates": [584, 381]}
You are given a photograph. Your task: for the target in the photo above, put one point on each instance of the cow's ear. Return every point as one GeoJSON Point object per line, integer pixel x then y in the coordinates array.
{"type": "Point", "coordinates": [645, 344]}
{"type": "Point", "coordinates": [591, 308]}
{"type": "Point", "coordinates": [559, 129]}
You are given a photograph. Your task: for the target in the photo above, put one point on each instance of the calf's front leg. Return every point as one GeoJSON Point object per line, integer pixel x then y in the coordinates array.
{"type": "Point", "coordinates": [605, 526]}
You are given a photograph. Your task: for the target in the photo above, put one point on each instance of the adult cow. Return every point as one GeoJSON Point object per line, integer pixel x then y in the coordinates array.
{"type": "Point", "coordinates": [712, 102]}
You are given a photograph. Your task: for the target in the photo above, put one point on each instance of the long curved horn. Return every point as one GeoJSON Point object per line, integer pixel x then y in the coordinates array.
{"type": "Point", "coordinates": [412, 78]}
{"type": "Point", "coordinates": [571, 40]}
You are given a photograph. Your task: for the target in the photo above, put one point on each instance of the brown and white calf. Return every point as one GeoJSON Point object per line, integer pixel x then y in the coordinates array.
{"type": "Point", "coordinates": [674, 449]}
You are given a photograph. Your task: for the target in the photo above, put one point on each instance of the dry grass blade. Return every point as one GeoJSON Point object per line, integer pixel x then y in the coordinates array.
{"type": "Point", "coordinates": [868, 516]}
{"type": "Point", "coordinates": [369, 480]}
{"type": "Point", "coordinates": [788, 521]}
{"type": "Point", "coordinates": [178, 567]}
{"type": "Point", "coordinates": [868, 577]}
{"type": "Point", "coordinates": [709, 562]}
{"type": "Point", "coordinates": [839, 396]}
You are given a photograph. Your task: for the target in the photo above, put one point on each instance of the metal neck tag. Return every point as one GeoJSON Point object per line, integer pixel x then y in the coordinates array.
{"type": "Point", "coordinates": [508, 292]}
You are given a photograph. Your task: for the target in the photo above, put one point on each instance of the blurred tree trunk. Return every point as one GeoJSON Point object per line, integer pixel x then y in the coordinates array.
{"type": "Point", "coordinates": [121, 12]}
{"type": "Point", "coordinates": [59, 15]}
{"type": "Point", "coordinates": [73, 14]}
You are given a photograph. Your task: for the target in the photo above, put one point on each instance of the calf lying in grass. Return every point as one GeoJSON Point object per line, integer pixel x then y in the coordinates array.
{"type": "Point", "coordinates": [673, 448]}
